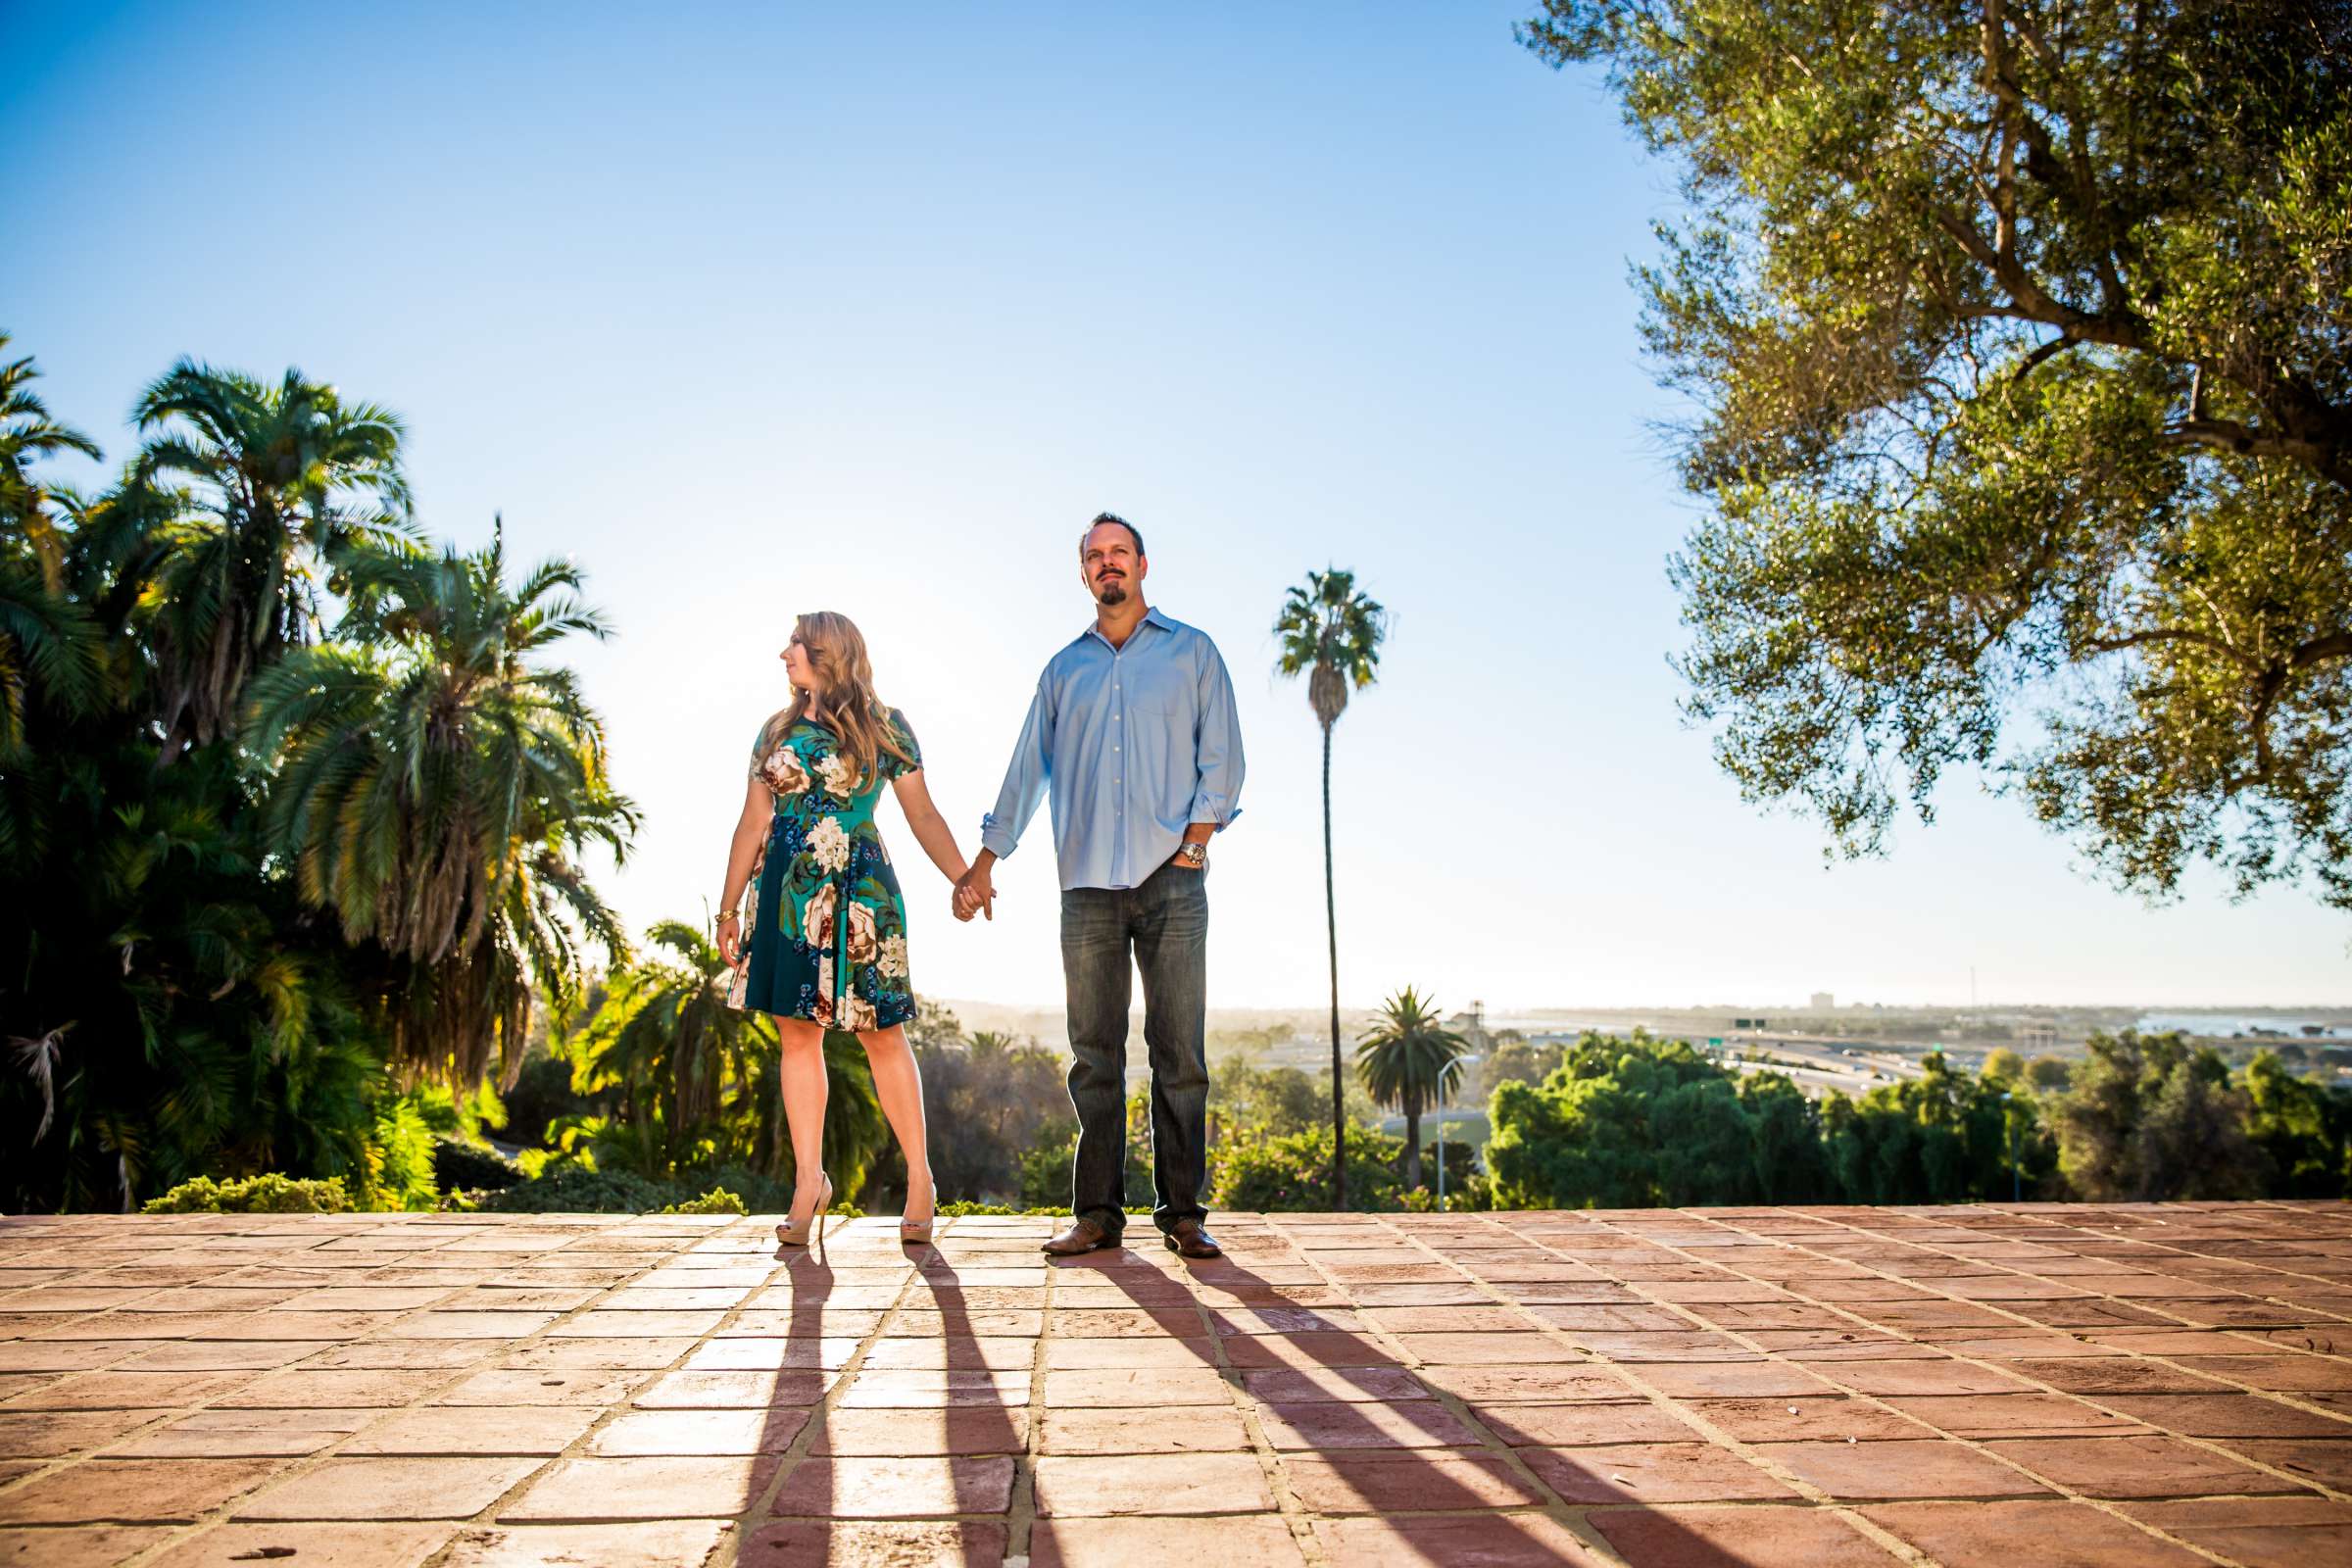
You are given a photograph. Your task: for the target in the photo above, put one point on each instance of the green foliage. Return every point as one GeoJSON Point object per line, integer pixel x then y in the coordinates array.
{"type": "Point", "coordinates": [1410, 1061]}
{"type": "Point", "coordinates": [578, 1189]}
{"type": "Point", "coordinates": [988, 1100]}
{"type": "Point", "coordinates": [571, 1186]}
{"type": "Point", "coordinates": [1046, 1166]}
{"type": "Point", "coordinates": [1939, 1138]}
{"type": "Point", "coordinates": [2048, 1075]}
{"type": "Point", "coordinates": [2303, 1128]}
{"type": "Point", "coordinates": [1632, 1123]}
{"type": "Point", "coordinates": [2149, 1119]}
{"type": "Point", "coordinates": [1514, 1059]}
{"type": "Point", "coordinates": [180, 1005]}
{"type": "Point", "coordinates": [718, 1200]}
{"type": "Point", "coordinates": [462, 1167]}
{"type": "Point", "coordinates": [435, 786]}
{"type": "Point", "coordinates": [1473, 1194]}
{"type": "Point", "coordinates": [542, 1094]}
{"type": "Point", "coordinates": [1273, 1101]}
{"type": "Point", "coordinates": [400, 1165]}
{"type": "Point", "coordinates": [271, 1194]}
{"type": "Point", "coordinates": [1294, 1172]}
{"type": "Point", "coordinates": [2017, 340]}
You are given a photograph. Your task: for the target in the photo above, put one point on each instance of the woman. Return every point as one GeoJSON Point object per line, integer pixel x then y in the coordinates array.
{"type": "Point", "coordinates": [828, 937]}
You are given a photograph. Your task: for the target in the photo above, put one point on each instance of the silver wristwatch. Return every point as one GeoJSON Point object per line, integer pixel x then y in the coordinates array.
{"type": "Point", "coordinates": [1195, 855]}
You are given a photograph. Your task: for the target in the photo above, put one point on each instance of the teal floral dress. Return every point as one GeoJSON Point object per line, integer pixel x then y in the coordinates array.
{"type": "Point", "coordinates": [828, 937]}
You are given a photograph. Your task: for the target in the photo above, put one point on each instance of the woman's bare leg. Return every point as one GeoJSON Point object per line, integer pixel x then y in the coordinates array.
{"type": "Point", "coordinates": [803, 1072]}
{"type": "Point", "coordinates": [899, 1085]}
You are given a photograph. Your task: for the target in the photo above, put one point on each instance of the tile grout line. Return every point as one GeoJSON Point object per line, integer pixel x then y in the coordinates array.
{"type": "Point", "coordinates": [1550, 1505]}
{"type": "Point", "coordinates": [1848, 1509]}
{"type": "Point", "coordinates": [299, 1465]}
{"type": "Point", "coordinates": [759, 1509]}
{"type": "Point", "coordinates": [2211, 1445]}
{"type": "Point", "coordinates": [1020, 1513]}
{"type": "Point", "coordinates": [1817, 1496]}
{"type": "Point", "coordinates": [1287, 1503]}
{"type": "Point", "coordinates": [318, 1458]}
{"type": "Point", "coordinates": [2109, 1506]}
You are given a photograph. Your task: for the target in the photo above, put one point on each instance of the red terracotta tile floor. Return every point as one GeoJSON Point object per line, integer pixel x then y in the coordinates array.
{"type": "Point", "coordinates": [2080, 1385]}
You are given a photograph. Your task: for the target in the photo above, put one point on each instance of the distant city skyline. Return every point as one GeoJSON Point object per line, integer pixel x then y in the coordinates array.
{"type": "Point", "coordinates": [755, 310]}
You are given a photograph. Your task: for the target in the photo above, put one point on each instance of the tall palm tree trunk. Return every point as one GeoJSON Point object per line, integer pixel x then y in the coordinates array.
{"type": "Point", "coordinates": [1412, 1141]}
{"type": "Point", "coordinates": [1331, 921]}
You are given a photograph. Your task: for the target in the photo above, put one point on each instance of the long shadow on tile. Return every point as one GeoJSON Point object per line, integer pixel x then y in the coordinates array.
{"type": "Point", "coordinates": [1347, 1434]}
{"type": "Point", "coordinates": [803, 1522]}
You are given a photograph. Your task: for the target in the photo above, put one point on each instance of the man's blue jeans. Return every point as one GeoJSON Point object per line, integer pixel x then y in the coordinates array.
{"type": "Point", "coordinates": [1162, 926]}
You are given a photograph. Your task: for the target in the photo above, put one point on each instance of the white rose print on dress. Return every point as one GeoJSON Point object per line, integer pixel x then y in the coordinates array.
{"type": "Point", "coordinates": [840, 782]}
{"type": "Point", "coordinates": [829, 844]}
{"type": "Point", "coordinates": [825, 905]}
{"type": "Point", "coordinates": [863, 941]}
{"type": "Point", "coordinates": [783, 771]}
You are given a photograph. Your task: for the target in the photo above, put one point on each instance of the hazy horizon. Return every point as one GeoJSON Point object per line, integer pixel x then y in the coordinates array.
{"type": "Point", "coordinates": [755, 311]}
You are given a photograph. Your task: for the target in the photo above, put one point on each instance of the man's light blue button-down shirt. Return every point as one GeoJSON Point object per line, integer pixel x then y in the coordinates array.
{"type": "Point", "coordinates": [1133, 744]}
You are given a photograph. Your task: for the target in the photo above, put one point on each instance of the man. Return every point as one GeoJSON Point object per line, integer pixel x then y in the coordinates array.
{"type": "Point", "coordinates": [1133, 733]}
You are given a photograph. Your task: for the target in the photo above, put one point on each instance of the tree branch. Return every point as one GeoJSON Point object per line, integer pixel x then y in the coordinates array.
{"type": "Point", "coordinates": [2324, 457]}
{"type": "Point", "coordinates": [2172, 634]}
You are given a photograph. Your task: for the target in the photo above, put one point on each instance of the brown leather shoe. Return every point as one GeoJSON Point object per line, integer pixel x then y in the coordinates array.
{"type": "Point", "coordinates": [1083, 1236]}
{"type": "Point", "coordinates": [1191, 1239]}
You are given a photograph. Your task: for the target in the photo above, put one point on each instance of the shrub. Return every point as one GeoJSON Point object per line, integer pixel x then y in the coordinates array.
{"type": "Point", "coordinates": [1475, 1193]}
{"type": "Point", "coordinates": [718, 1200]}
{"type": "Point", "coordinates": [252, 1194]}
{"type": "Point", "coordinates": [576, 1189]}
{"type": "Point", "coordinates": [459, 1166]}
{"type": "Point", "coordinates": [1294, 1172]}
{"type": "Point", "coordinates": [543, 1094]}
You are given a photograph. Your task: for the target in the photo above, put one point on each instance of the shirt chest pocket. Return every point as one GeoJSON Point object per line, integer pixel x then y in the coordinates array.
{"type": "Point", "coordinates": [1159, 694]}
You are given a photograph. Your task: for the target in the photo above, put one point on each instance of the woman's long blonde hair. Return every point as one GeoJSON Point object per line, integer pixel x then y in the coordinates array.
{"type": "Point", "coordinates": [836, 653]}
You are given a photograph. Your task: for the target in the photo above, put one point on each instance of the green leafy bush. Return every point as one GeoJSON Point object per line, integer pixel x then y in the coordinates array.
{"type": "Point", "coordinates": [578, 1189]}
{"type": "Point", "coordinates": [1294, 1172]}
{"type": "Point", "coordinates": [542, 1095]}
{"type": "Point", "coordinates": [462, 1166]}
{"type": "Point", "coordinates": [252, 1194]}
{"type": "Point", "coordinates": [400, 1156]}
{"type": "Point", "coordinates": [718, 1200]}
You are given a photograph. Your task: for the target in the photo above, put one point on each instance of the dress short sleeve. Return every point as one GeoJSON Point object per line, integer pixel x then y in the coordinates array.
{"type": "Point", "coordinates": [896, 767]}
{"type": "Point", "coordinates": [759, 748]}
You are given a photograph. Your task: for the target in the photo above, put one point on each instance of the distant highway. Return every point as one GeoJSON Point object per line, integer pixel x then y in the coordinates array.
{"type": "Point", "coordinates": [1824, 1063]}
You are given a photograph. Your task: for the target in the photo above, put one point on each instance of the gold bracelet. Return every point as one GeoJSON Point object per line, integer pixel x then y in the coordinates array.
{"type": "Point", "coordinates": [732, 914]}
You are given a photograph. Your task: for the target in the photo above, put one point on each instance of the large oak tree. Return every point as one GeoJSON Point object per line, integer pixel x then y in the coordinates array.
{"type": "Point", "coordinates": [2020, 340]}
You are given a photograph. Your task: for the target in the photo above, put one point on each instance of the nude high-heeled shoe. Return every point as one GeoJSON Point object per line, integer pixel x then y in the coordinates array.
{"type": "Point", "coordinates": [795, 1232]}
{"type": "Point", "coordinates": [917, 1232]}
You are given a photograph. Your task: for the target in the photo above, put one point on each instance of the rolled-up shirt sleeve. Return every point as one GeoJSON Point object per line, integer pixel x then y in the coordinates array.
{"type": "Point", "coordinates": [1217, 744]}
{"type": "Point", "coordinates": [1026, 778]}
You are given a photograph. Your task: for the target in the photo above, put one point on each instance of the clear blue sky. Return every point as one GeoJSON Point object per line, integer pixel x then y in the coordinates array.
{"type": "Point", "coordinates": [769, 309]}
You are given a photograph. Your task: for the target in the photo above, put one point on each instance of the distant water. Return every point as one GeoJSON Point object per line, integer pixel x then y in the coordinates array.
{"type": "Point", "coordinates": [2226, 1024]}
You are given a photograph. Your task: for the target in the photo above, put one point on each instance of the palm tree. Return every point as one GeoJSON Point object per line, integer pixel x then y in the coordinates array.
{"type": "Point", "coordinates": [698, 1082]}
{"type": "Point", "coordinates": [44, 633]}
{"type": "Point", "coordinates": [435, 786]}
{"type": "Point", "coordinates": [1410, 1061]}
{"type": "Point", "coordinates": [27, 435]}
{"type": "Point", "coordinates": [1333, 633]}
{"type": "Point", "coordinates": [667, 1037]}
{"type": "Point", "coordinates": [282, 478]}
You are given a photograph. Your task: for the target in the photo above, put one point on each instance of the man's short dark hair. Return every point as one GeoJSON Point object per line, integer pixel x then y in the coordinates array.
{"type": "Point", "coordinates": [1101, 517]}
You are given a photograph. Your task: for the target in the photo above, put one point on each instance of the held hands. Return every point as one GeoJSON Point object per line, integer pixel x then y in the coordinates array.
{"type": "Point", "coordinates": [975, 893]}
